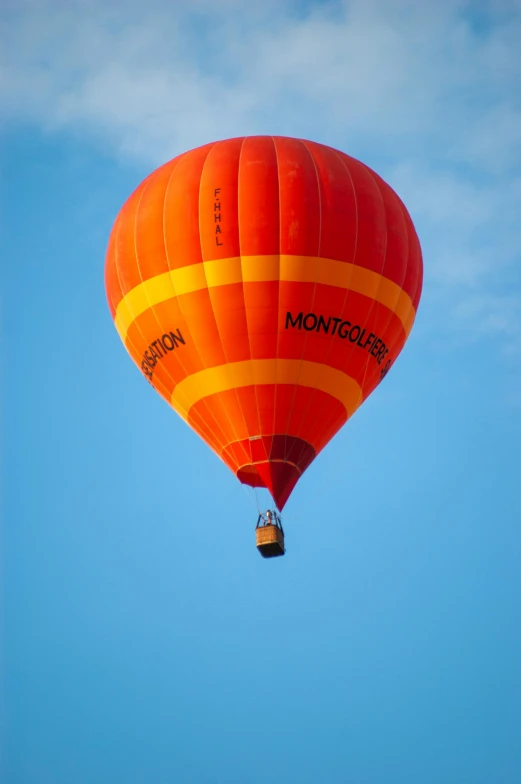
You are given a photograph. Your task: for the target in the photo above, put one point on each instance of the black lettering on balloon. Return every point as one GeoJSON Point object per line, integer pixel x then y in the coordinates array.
{"type": "Point", "coordinates": [343, 330]}
{"type": "Point", "coordinates": [168, 343]}
{"type": "Point", "coordinates": [356, 331]}
{"type": "Point", "coordinates": [336, 322]}
{"type": "Point", "coordinates": [384, 371]}
{"type": "Point", "coordinates": [158, 349]}
{"type": "Point", "coordinates": [335, 326]}
{"type": "Point", "coordinates": [217, 216]}
{"type": "Point", "coordinates": [322, 323]}
{"type": "Point", "coordinates": [309, 326]}
{"type": "Point", "coordinates": [294, 322]}
{"type": "Point", "coordinates": [177, 338]}
{"type": "Point", "coordinates": [374, 349]}
{"type": "Point", "coordinates": [369, 340]}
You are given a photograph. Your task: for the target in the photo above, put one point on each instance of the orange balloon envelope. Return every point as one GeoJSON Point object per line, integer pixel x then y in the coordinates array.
{"type": "Point", "coordinates": [264, 286]}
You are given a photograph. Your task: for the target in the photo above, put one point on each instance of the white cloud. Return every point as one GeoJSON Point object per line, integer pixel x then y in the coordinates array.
{"type": "Point", "coordinates": [429, 94]}
{"type": "Point", "coordinates": [404, 73]}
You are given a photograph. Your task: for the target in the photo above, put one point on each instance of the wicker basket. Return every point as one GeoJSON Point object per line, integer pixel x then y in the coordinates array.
{"type": "Point", "coordinates": [270, 541]}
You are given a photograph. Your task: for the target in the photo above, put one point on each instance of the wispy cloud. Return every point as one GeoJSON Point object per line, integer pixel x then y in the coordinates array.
{"type": "Point", "coordinates": [427, 93]}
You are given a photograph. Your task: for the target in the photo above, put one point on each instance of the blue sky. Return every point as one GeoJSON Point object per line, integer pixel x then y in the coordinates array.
{"type": "Point", "coordinates": [143, 638]}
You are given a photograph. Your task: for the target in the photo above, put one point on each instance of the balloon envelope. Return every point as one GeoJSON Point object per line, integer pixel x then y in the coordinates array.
{"type": "Point", "coordinates": [264, 286]}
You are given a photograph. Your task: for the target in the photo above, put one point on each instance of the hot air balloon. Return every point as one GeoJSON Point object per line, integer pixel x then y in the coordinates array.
{"type": "Point", "coordinates": [264, 286]}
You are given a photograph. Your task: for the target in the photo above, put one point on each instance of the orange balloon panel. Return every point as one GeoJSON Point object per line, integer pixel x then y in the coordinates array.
{"type": "Point", "coordinates": [264, 286]}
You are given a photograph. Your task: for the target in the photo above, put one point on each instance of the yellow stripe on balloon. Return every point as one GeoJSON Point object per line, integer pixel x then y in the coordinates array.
{"type": "Point", "coordinates": [254, 269]}
{"type": "Point", "coordinates": [266, 371]}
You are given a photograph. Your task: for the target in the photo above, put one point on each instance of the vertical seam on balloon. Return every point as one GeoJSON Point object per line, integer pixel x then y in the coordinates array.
{"type": "Point", "coordinates": [278, 307]}
{"type": "Point", "coordinates": [244, 301]}
{"type": "Point", "coordinates": [418, 261]}
{"type": "Point", "coordinates": [375, 301]}
{"type": "Point", "coordinates": [355, 249]}
{"type": "Point", "coordinates": [408, 224]}
{"type": "Point", "coordinates": [205, 416]}
{"type": "Point", "coordinates": [209, 295]}
{"type": "Point", "coordinates": [116, 254]}
{"type": "Point", "coordinates": [163, 370]}
{"type": "Point", "coordinates": [167, 257]}
{"type": "Point", "coordinates": [118, 275]}
{"type": "Point", "coordinates": [419, 281]}
{"type": "Point", "coordinates": [419, 264]}
{"type": "Point", "coordinates": [412, 258]}
{"type": "Point", "coordinates": [216, 322]}
{"type": "Point", "coordinates": [351, 273]}
{"type": "Point", "coordinates": [316, 263]}
{"type": "Point", "coordinates": [351, 352]}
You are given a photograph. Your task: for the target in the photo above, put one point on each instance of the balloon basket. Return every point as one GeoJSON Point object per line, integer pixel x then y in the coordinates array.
{"type": "Point", "coordinates": [270, 541]}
